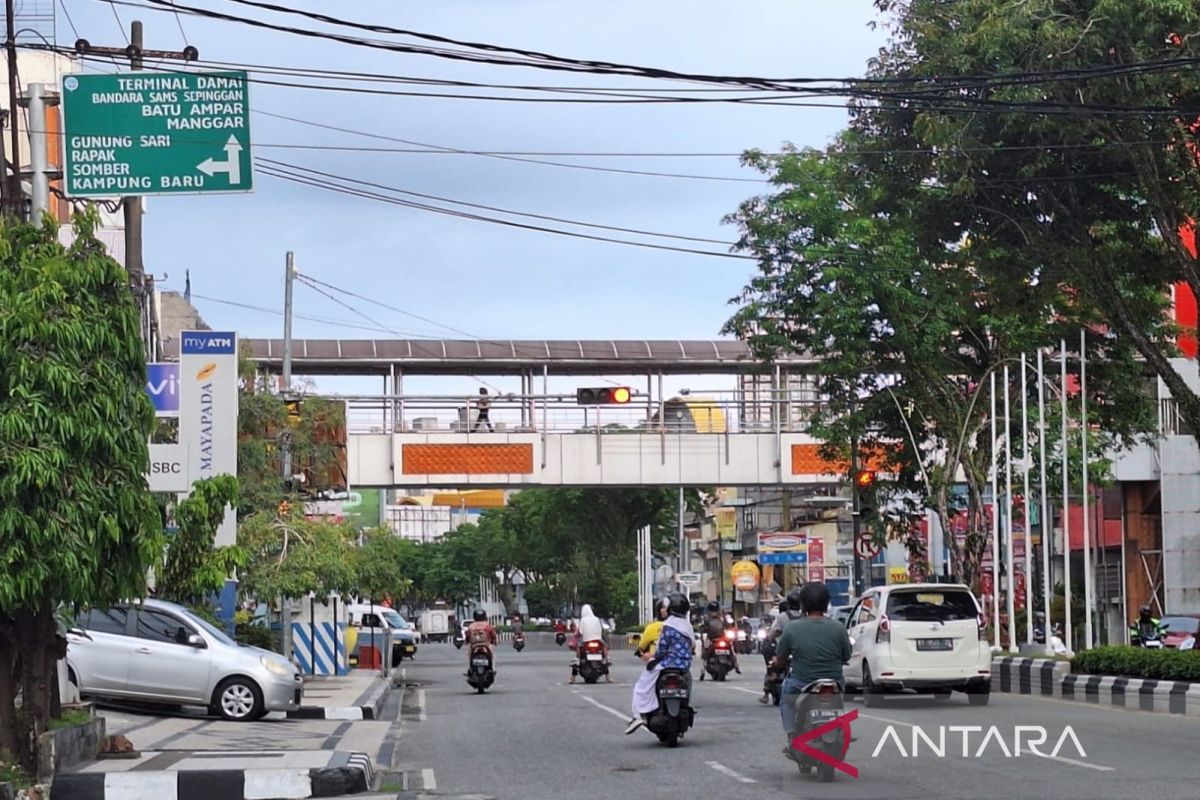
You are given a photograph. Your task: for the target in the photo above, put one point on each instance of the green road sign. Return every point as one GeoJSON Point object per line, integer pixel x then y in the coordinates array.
{"type": "Point", "coordinates": [142, 133]}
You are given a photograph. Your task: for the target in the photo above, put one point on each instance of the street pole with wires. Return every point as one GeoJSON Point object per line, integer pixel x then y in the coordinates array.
{"type": "Point", "coordinates": [1026, 466]}
{"type": "Point", "coordinates": [289, 279]}
{"type": "Point", "coordinates": [1009, 564]}
{"type": "Point", "coordinates": [14, 195]}
{"type": "Point", "coordinates": [995, 475]}
{"type": "Point", "coordinates": [1047, 532]}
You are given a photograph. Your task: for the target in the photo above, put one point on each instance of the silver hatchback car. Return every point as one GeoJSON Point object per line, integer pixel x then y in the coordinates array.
{"type": "Point", "coordinates": [159, 652]}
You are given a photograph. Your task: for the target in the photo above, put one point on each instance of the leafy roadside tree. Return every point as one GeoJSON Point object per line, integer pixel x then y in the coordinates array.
{"type": "Point", "coordinates": [288, 556]}
{"type": "Point", "coordinates": [77, 524]}
{"type": "Point", "coordinates": [194, 569]}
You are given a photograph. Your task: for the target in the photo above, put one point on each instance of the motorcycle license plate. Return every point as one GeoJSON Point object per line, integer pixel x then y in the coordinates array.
{"type": "Point", "coordinates": [824, 714]}
{"type": "Point", "coordinates": [935, 644]}
{"type": "Point", "coordinates": [479, 662]}
{"type": "Point", "coordinates": [595, 657]}
{"type": "Point", "coordinates": [672, 693]}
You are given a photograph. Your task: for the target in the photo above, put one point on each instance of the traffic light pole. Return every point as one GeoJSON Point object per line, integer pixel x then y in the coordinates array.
{"type": "Point", "coordinates": [860, 584]}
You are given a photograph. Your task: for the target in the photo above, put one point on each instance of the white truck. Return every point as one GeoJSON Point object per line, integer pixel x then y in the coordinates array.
{"type": "Point", "coordinates": [435, 624]}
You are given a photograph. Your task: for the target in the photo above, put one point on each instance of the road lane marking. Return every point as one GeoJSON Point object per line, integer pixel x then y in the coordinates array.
{"type": "Point", "coordinates": [724, 770]}
{"type": "Point", "coordinates": [421, 705]}
{"type": "Point", "coordinates": [744, 689]}
{"type": "Point", "coordinates": [602, 707]}
{"type": "Point", "coordinates": [428, 781]}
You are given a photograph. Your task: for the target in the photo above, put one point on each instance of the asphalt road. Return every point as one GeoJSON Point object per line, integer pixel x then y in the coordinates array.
{"type": "Point", "coordinates": [533, 736]}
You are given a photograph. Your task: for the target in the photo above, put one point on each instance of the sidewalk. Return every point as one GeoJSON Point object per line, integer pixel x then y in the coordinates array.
{"type": "Point", "coordinates": [358, 695]}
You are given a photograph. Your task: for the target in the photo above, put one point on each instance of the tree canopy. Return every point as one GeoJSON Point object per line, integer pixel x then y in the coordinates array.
{"type": "Point", "coordinates": [77, 524]}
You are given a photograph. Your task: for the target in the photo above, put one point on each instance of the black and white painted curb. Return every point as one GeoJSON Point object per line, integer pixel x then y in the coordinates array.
{"type": "Point", "coordinates": [1050, 678]}
{"type": "Point", "coordinates": [347, 773]}
{"type": "Point", "coordinates": [366, 707]}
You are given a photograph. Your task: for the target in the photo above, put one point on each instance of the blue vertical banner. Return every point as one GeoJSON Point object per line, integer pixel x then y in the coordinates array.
{"type": "Point", "coordinates": [162, 384]}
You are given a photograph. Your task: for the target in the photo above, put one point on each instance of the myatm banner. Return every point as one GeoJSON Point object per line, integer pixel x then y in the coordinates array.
{"type": "Point", "coordinates": [208, 410]}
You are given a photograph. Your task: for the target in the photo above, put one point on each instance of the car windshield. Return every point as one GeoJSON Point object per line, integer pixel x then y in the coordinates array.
{"type": "Point", "coordinates": [1182, 624]}
{"type": "Point", "coordinates": [931, 606]}
{"type": "Point", "coordinates": [396, 621]}
{"type": "Point", "coordinates": [212, 630]}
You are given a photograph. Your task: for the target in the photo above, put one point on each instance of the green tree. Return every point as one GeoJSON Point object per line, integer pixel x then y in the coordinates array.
{"type": "Point", "coordinates": [288, 556]}
{"type": "Point", "coordinates": [1045, 134]}
{"type": "Point", "coordinates": [194, 569]}
{"type": "Point", "coordinates": [77, 524]}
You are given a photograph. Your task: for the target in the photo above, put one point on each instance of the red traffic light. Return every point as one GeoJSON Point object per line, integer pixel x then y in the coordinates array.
{"type": "Point", "coordinates": [604, 396]}
{"type": "Point", "coordinates": [864, 479]}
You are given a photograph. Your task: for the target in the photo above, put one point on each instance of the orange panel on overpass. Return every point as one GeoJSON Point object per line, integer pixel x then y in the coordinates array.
{"type": "Point", "coordinates": [807, 460]}
{"type": "Point", "coordinates": [467, 459]}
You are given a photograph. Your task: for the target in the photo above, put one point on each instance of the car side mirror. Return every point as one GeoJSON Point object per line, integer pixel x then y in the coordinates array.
{"type": "Point", "coordinates": [197, 641]}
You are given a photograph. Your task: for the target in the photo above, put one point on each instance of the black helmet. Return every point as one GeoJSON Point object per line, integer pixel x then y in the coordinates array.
{"type": "Point", "coordinates": [814, 598]}
{"type": "Point", "coordinates": [1144, 610]}
{"type": "Point", "coordinates": [714, 606]}
{"type": "Point", "coordinates": [794, 599]}
{"type": "Point", "coordinates": [480, 615]}
{"type": "Point", "coordinates": [678, 604]}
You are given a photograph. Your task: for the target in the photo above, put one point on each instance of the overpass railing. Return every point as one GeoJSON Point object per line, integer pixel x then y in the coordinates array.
{"type": "Point", "coordinates": [724, 412]}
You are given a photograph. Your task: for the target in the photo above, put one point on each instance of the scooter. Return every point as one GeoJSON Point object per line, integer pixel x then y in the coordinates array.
{"type": "Point", "coordinates": [592, 662]}
{"type": "Point", "coordinates": [675, 715]}
{"type": "Point", "coordinates": [481, 675]}
{"type": "Point", "coordinates": [518, 642]}
{"type": "Point", "coordinates": [720, 659]}
{"type": "Point", "coordinates": [819, 703]}
{"type": "Point", "coordinates": [458, 639]}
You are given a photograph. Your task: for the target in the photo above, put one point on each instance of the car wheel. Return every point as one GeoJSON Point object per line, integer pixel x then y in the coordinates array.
{"type": "Point", "coordinates": [979, 697]}
{"type": "Point", "coordinates": [238, 700]}
{"type": "Point", "coordinates": [872, 694]}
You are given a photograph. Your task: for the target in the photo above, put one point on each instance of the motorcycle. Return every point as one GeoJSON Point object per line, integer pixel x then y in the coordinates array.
{"type": "Point", "coordinates": [819, 703]}
{"type": "Point", "coordinates": [592, 662]}
{"type": "Point", "coordinates": [458, 640]}
{"type": "Point", "coordinates": [559, 638]}
{"type": "Point", "coordinates": [760, 640]}
{"type": "Point", "coordinates": [720, 659]}
{"type": "Point", "coordinates": [1147, 637]}
{"type": "Point", "coordinates": [741, 641]}
{"type": "Point", "coordinates": [481, 675]}
{"type": "Point", "coordinates": [674, 715]}
{"type": "Point", "coordinates": [518, 642]}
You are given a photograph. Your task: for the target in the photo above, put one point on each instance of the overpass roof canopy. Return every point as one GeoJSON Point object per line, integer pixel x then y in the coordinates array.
{"type": "Point", "coordinates": [506, 357]}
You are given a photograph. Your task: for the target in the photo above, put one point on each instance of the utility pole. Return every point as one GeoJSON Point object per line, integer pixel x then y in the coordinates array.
{"type": "Point", "coordinates": [289, 278]}
{"type": "Point", "coordinates": [860, 585]}
{"type": "Point", "coordinates": [38, 150]}
{"type": "Point", "coordinates": [14, 194]}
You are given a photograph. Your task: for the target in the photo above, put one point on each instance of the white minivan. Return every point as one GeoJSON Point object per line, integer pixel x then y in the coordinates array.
{"type": "Point", "coordinates": [928, 637]}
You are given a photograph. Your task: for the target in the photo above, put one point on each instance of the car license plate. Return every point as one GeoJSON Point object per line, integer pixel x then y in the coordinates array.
{"type": "Point", "coordinates": [480, 662]}
{"type": "Point", "coordinates": [595, 657]}
{"type": "Point", "coordinates": [935, 644]}
{"type": "Point", "coordinates": [410, 648]}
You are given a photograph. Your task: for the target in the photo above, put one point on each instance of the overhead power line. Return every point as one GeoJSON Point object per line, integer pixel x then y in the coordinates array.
{"type": "Point", "coordinates": [340, 323]}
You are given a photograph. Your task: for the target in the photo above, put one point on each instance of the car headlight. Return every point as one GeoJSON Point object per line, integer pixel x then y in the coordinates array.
{"type": "Point", "coordinates": [278, 667]}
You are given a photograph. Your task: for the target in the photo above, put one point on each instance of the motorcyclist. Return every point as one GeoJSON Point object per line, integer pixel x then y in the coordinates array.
{"type": "Point", "coordinates": [646, 647]}
{"type": "Point", "coordinates": [480, 633]}
{"type": "Point", "coordinates": [674, 649]}
{"type": "Point", "coordinates": [1145, 626]}
{"type": "Point", "coordinates": [714, 629]}
{"type": "Point", "coordinates": [784, 615]}
{"type": "Point", "coordinates": [818, 647]}
{"type": "Point", "coordinates": [591, 629]}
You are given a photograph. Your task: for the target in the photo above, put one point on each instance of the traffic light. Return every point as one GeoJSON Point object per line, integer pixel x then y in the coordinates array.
{"type": "Point", "coordinates": [606, 396]}
{"type": "Point", "coordinates": [864, 480]}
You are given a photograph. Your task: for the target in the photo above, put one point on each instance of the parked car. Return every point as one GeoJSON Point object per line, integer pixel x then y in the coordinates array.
{"type": "Point", "coordinates": [924, 637]}
{"type": "Point", "coordinates": [161, 653]}
{"type": "Point", "coordinates": [840, 613]}
{"type": "Point", "coordinates": [1180, 627]}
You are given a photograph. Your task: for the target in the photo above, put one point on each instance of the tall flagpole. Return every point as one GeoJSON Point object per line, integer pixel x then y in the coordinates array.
{"type": "Point", "coordinates": [995, 526]}
{"type": "Point", "coordinates": [1066, 503]}
{"type": "Point", "coordinates": [1026, 465]}
{"type": "Point", "coordinates": [1008, 521]}
{"type": "Point", "coordinates": [1089, 598]}
{"type": "Point", "coordinates": [1047, 533]}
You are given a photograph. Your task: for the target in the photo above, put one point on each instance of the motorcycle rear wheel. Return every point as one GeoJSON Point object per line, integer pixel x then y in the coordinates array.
{"type": "Point", "coordinates": [824, 773]}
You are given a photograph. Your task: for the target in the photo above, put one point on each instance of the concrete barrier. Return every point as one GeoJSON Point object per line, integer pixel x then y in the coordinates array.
{"type": "Point", "coordinates": [1051, 678]}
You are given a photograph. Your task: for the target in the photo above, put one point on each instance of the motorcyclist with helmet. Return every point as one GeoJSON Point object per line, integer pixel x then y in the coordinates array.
{"type": "Point", "coordinates": [1146, 626]}
{"type": "Point", "coordinates": [818, 647]}
{"type": "Point", "coordinates": [480, 633]}
{"type": "Point", "coordinates": [789, 609]}
{"type": "Point", "coordinates": [714, 629]}
{"type": "Point", "coordinates": [674, 650]}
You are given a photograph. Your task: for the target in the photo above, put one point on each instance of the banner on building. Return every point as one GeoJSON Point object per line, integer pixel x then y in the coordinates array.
{"type": "Point", "coordinates": [726, 523]}
{"type": "Point", "coordinates": [897, 575]}
{"type": "Point", "coordinates": [782, 548]}
{"type": "Point", "coordinates": [168, 468]}
{"type": "Point", "coordinates": [816, 550]}
{"type": "Point", "coordinates": [208, 411]}
{"type": "Point", "coordinates": [162, 384]}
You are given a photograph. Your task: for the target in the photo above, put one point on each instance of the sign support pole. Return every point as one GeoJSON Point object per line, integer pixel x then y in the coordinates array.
{"type": "Point", "coordinates": [14, 196]}
{"type": "Point", "coordinates": [38, 156]}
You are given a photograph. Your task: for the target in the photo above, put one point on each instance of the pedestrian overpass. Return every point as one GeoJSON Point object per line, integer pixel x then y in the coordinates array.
{"type": "Point", "coordinates": [755, 434]}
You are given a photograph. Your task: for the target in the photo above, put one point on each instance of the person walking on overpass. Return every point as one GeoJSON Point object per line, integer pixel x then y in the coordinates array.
{"type": "Point", "coordinates": [483, 410]}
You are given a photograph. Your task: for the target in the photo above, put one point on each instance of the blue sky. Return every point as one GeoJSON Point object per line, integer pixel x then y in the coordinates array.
{"type": "Point", "coordinates": [491, 281]}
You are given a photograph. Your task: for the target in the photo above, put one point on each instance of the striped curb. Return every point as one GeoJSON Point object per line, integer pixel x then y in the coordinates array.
{"type": "Point", "coordinates": [367, 706]}
{"type": "Point", "coordinates": [1051, 678]}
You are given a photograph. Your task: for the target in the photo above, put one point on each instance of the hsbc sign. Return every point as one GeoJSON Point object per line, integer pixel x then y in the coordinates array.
{"type": "Point", "coordinates": [169, 468]}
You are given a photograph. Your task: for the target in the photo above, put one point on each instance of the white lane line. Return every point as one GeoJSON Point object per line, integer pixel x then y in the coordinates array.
{"type": "Point", "coordinates": [724, 770]}
{"type": "Point", "coordinates": [421, 705]}
{"type": "Point", "coordinates": [1073, 762]}
{"type": "Point", "coordinates": [744, 689]}
{"type": "Point", "coordinates": [618, 714]}
{"type": "Point", "coordinates": [428, 781]}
